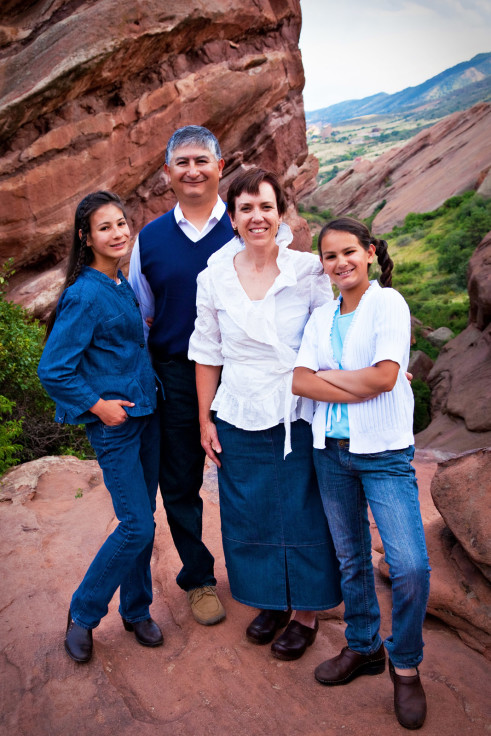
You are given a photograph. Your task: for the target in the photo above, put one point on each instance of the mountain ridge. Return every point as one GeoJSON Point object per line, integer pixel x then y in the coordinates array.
{"type": "Point", "coordinates": [429, 94]}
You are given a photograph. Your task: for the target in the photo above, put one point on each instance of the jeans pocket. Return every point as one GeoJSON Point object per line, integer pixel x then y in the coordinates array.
{"type": "Point", "coordinates": [113, 428]}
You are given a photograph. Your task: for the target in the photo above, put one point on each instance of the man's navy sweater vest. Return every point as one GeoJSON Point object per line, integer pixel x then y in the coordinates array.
{"type": "Point", "coordinates": [171, 262]}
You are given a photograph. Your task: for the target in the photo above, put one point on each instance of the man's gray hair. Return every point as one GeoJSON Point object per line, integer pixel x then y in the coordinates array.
{"type": "Point", "coordinates": [192, 135]}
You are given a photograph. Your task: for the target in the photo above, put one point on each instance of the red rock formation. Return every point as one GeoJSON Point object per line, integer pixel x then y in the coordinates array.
{"type": "Point", "coordinates": [91, 91]}
{"type": "Point", "coordinates": [460, 595]}
{"type": "Point", "coordinates": [460, 379]}
{"type": "Point", "coordinates": [452, 156]}
{"type": "Point", "coordinates": [461, 492]}
{"type": "Point", "coordinates": [54, 515]}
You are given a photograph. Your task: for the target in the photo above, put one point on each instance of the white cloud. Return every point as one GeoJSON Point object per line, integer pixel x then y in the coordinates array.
{"type": "Point", "coordinates": [353, 49]}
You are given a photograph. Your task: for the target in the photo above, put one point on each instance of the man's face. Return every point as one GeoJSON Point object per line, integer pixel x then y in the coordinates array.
{"type": "Point", "coordinates": [194, 173]}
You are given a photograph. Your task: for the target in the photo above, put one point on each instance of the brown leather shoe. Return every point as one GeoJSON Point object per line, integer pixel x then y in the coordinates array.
{"type": "Point", "coordinates": [205, 605]}
{"type": "Point", "coordinates": [409, 699]}
{"type": "Point", "coordinates": [263, 628]}
{"type": "Point", "coordinates": [348, 665]}
{"type": "Point", "coordinates": [78, 641]}
{"type": "Point", "coordinates": [147, 632]}
{"type": "Point", "coordinates": [294, 640]}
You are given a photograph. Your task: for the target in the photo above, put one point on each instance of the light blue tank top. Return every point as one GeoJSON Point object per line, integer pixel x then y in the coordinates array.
{"type": "Point", "coordinates": [337, 424]}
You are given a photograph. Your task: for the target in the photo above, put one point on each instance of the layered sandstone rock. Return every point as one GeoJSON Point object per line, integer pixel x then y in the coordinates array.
{"type": "Point", "coordinates": [451, 157]}
{"type": "Point", "coordinates": [90, 92]}
{"type": "Point", "coordinates": [55, 513]}
{"type": "Point", "coordinates": [460, 379]}
{"type": "Point", "coordinates": [460, 594]}
{"type": "Point", "coordinates": [461, 490]}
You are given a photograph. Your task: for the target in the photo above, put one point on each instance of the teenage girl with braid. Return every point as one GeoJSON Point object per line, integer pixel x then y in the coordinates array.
{"type": "Point", "coordinates": [358, 346]}
{"type": "Point", "coordinates": [96, 367]}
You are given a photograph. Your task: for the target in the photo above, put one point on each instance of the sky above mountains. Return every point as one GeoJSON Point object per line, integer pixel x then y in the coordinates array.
{"type": "Point", "coordinates": [355, 48]}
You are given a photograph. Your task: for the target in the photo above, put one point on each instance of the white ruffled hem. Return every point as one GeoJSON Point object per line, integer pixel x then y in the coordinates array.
{"type": "Point", "coordinates": [241, 411]}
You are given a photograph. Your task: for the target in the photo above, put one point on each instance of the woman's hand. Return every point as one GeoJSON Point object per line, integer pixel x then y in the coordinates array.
{"type": "Point", "coordinates": [209, 441]}
{"type": "Point", "coordinates": [111, 412]}
{"type": "Point", "coordinates": [207, 378]}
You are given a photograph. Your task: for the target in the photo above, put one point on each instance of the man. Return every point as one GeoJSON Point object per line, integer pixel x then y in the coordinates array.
{"type": "Point", "coordinates": [167, 257]}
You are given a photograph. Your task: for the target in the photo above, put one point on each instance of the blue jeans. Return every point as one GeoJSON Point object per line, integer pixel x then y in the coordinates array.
{"type": "Point", "coordinates": [129, 458]}
{"type": "Point", "coordinates": [181, 470]}
{"type": "Point", "coordinates": [386, 481]}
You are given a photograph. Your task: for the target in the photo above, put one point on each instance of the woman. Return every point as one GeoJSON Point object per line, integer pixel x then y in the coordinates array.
{"type": "Point", "coordinates": [253, 301]}
{"type": "Point", "coordinates": [96, 368]}
{"type": "Point", "coordinates": [360, 344]}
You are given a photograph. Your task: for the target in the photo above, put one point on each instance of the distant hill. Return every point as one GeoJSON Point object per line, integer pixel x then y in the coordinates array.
{"type": "Point", "coordinates": [456, 88]}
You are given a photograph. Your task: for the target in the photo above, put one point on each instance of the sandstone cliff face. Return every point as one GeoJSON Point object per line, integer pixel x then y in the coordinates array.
{"type": "Point", "coordinates": [451, 157]}
{"type": "Point", "coordinates": [460, 379]}
{"type": "Point", "coordinates": [91, 91]}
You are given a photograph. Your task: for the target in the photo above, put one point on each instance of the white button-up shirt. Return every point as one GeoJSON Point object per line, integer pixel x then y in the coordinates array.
{"type": "Point", "coordinates": [257, 341]}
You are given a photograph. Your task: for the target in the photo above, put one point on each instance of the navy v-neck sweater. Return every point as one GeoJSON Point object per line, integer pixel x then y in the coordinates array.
{"type": "Point", "coordinates": [171, 262]}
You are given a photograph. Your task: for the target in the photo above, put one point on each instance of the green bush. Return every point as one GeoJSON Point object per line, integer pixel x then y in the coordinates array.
{"type": "Point", "coordinates": [32, 422]}
{"type": "Point", "coordinates": [422, 396]}
{"type": "Point", "coordinates": [469, 222]}
{"type": "Point", "coordinates": [9, 431]}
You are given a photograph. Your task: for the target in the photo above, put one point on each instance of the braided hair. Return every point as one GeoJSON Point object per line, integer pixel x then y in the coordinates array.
{"type": "Point", "coordinates": [81, 254]}
{"type": "Point", "coordinates": [362, 233]}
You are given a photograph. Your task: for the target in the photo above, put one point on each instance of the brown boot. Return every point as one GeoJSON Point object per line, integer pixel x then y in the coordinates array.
{"type": "Point", "coordinates": [348, 665]}
{"type": "Point", "coordinates": [409, 699]}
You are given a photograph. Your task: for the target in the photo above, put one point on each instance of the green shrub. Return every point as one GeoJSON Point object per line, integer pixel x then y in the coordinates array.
{"type": "Point", "coordinates": [32, 424]}
{"type": "Point", "coordinates": [422, 397]}
{"type": "Point", "coordinates": [9, 431]}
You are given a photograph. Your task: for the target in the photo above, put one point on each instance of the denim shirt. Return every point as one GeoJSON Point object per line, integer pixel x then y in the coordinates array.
{"type": "Point", "coordinates": [97, 350]}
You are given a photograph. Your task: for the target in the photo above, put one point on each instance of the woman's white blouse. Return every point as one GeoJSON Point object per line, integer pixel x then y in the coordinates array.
{"type": "Point", "coordinates": [257, 342]}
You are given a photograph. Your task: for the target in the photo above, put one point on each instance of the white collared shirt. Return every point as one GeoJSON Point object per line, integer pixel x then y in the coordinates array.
{"type": "Point", "coordinates": [190, 230]}
{"type": "Point", "coordinates": [138, 281]}
{"type": "Point", "coordinates": [257, 341]}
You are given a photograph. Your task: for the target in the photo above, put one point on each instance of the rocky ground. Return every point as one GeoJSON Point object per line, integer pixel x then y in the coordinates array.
{"type": "Point", "coordinates": [54, 515]}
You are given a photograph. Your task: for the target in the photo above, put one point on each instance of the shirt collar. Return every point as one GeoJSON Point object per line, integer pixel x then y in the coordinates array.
{"type": "Point", "coordinates": [216, 213]}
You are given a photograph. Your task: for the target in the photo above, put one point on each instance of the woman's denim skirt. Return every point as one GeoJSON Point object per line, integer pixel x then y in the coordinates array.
{"type": "Point", "coordinates": [278, 549]}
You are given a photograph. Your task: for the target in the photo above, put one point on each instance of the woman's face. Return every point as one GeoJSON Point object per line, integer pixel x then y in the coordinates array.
{"type": "Point", "coordinates": [256, 216]}
{"type": "Point", "coordinates": [109, 236]}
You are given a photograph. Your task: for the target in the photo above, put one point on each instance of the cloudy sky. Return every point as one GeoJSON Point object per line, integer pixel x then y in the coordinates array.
{"type": "Point", "coordinates": [355, 48]}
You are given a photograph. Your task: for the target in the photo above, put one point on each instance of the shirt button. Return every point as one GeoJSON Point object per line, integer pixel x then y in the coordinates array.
{"type": "Point", "coordinates": [142, 344]}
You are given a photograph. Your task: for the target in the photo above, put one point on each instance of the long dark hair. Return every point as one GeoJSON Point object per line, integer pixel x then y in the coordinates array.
{"type": "Point", "coordinates": [81, 255]}
{"type": "Point", "coordinates": [364, 237]}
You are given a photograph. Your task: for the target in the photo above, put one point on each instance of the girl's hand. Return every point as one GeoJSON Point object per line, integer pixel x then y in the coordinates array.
{"type": "Point", "coordinates": [149, 321]}
{"type": "Point", "coordinates": [209, 441]}
{"type": "Point", "coordinates": [111, 412]}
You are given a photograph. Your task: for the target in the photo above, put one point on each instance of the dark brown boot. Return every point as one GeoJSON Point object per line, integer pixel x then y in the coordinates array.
{"type": "Point", "coordinates": [409, 699]}
{"type": "Point", "coordinates": [348, 665]}
{"type": "Point", "coordinates": [78, 641]}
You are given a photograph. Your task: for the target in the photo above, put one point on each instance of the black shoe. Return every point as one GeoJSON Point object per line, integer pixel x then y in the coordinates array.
{"type": "Point", "coordinates": [409, 699]}
{"type": "Point", "coordinates": [348, 665]}
{"type": "Point", "coordinates": [263, 628]}
{"type": "Point", "coordinates": [147, 632]}
{"type": "Point", "coordinates": [78, 641]}
{"type": "Point", "coordinates": [294, 640]}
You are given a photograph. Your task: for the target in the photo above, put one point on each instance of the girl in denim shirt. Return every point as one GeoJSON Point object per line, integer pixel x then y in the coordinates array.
{"type": "Point", "coordinates": [96, 368]}
{"type": "Point", "coordinates": [352, 360]}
